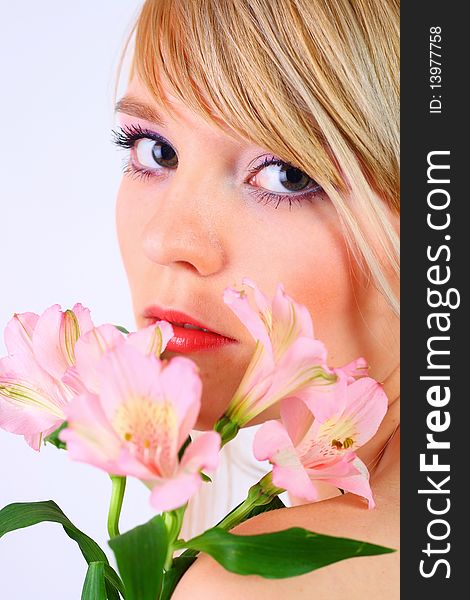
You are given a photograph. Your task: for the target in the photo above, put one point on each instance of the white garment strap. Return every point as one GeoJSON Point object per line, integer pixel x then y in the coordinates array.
{"type": "Point", "coordinates": [238, 471]}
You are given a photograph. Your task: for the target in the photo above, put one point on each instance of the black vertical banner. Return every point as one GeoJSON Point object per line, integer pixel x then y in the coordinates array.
{"type": "Point", "coordinates": [434, 276]}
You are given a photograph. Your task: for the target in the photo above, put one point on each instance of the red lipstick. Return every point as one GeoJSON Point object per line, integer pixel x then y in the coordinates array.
{"type": "Point", "coordinates": [189, 334]}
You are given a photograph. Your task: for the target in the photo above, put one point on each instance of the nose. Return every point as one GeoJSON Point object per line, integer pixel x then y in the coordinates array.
{"type": "Point", "coordinates": [183, 229]}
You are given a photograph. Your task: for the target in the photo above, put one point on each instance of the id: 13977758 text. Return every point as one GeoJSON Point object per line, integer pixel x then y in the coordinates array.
{"type": "Point", "coordinates": [435, 69]}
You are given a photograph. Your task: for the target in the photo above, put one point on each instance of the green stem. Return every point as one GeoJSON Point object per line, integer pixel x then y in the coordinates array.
{"type": "Point", "coordinates": [173, 523]}
{"type": "Point", "coordinates": [227, 428]}
{"type": "Point", "coordinates": [259, 494]}
{"type": "Point", "coordinates": [115, 505]}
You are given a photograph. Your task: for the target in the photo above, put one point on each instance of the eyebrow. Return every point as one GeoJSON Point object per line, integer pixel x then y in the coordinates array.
{"type": "Point", "coordinates": [133, 107]}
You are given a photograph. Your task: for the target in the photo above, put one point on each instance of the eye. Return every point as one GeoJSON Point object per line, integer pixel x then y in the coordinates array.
{"type": "Point", "coordinates": [149, 153]}
{"type": "Point", "coordinates": [277, 182]}
{"type": "Point", "coordinates": [280, 177]}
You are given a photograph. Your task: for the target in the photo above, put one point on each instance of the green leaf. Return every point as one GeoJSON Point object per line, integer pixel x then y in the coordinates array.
{"type": "Point", "coordinates": [140, 555]}
{"type": "Point", "coordinates": [274, 504]}
{"type": "Point", "coordinates": [24, 514]}
{"type": "Point", "coordinates": [53, 438]}
{"type": "Point", "coordinates": [113, 583]}
{"type": "Point", "coordinates": [94, 587]}
{"type": "Point", "coordinates": [170, 580]}
{"type": "Point", "coordinates": [121, 329]}
{"type": "Point", "coordinates": [280, 554]}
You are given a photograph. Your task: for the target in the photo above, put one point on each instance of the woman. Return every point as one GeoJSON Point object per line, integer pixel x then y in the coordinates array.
{"type": "Point", "coordinates": [263, 143]}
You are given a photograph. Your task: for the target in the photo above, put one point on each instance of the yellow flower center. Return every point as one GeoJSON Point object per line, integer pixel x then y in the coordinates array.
{"type": "Point", "coordinates": [339, 434]}
{"type": "Point", "coordinates": [344, 445]}
{"type": "Point", "coordinates": [151, 429]}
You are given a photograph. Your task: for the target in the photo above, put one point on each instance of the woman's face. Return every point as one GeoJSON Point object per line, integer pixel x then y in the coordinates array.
{"type": "Point", "coordinates": [194, 223]}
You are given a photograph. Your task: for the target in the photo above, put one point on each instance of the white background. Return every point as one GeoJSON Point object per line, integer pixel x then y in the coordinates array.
{"type": "Point", "coordinates": [59, 175]}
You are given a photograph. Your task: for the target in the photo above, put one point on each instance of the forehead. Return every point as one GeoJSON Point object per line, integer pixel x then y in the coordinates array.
{"type": "Point", "coordinates": [140, 102]}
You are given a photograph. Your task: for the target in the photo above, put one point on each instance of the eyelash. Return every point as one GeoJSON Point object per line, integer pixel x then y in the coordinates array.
{"type": "Point", "coordinates": [126, 138]}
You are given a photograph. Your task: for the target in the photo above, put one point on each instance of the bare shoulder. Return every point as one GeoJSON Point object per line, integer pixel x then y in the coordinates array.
{"type": "Point", "coordinates": [347, 516]}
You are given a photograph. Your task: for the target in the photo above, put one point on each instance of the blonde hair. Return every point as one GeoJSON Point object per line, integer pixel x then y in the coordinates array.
{"type": "Point", "coordinates": [315, 82]}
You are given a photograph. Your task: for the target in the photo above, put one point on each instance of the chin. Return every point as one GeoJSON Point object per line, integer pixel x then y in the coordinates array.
{"type": "Point", "coordinates": [213, 405]}
{"type": "Point", "coordinates": [221, 374]}
{"type": "Point", "coordinates": [205, 423]}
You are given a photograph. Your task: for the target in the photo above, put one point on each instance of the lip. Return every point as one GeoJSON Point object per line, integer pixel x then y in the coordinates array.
{"type": "Point", "coordinates": [186, 340]}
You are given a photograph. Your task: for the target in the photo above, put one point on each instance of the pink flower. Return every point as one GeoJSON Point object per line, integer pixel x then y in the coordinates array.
{"type": "Point", "coordinates": [287, 356]}
{"type": "Point", "coordinates": [139, 421]}
{"type": "Point", "coordinates": [91, 346]}
{"type": "Point", "coordinates": [51, 358]}
{"type": "Point", "coordinates": [40, 350]}
{"type": "Point", "coordinates": [316, 440]}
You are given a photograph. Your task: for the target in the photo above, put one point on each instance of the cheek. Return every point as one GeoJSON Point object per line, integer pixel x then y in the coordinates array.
{"type": "Point", "coordinates": [128, 225]}
{"type": "Point", "coordinates": [321, 280]}
{"type": "Point", "coordinates": [122, 216]}
{"type": "Point", "coordinates": [305, 249]}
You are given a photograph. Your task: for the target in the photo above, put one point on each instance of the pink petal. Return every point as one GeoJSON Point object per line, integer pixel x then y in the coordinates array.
{"type": "Point", "coordinates": [31, 402]}
{"type": "Point", "coordinates": [303, 352]}
{"type": "Point", "coordinates": [202, 453]}
{"type": "Point", "coordinates": [28, 405]}
{"type": "Point", "coordinates": [35, 440]}
{"type": "Point", "coordinates": [84, 318]}
{"type": "Point", "coordinates": [169, 494]}
{"type": "Point", "coordinates": [336, 466]}
{"type": "Point", "coordinates": [355, 369]}
{"type": "Point", "coordinates": [181, 385]}
{"type": "Point", "coordinates": [19, 333]}
{"type": "Point", "coordinates": [88, 422]}
{"type": "Point", "coordinates": [262, 303]}
{"type": "Point", "coordinates": [293, 316]}
{"type": "Point", "coordinates": [254, 385]}
{"type": "Point", "coordinates": [326, 401]}
{"type": "Point", "coordinates": [132, 379]}
{"type": "Point", "coordinates": [366, 407]}
{"type": "Point", "coordinates": [167, 333]}
{"type": "Point", "coordinates": [298, 368]}
{"type": "Point", "coordinates": [240, 305]}
{"type": "Point", "coordinates": [49, 342]}
{"type": "Point", "coordinates": [128, 375]}
{"type": "Point", "coordinates": [137, 381]}
{"type": "Point", "coordinates": [129, 464]}
{"type": "Point", "coordinates": [357, 483]}
{"type": "Point", "coordinates": [90, 348]}
{"type": "Point", "coordinates": [270, 438]}
{"type": "Point", "coordinates": [28, 416]}
{"type": "Point", "coordinates": [23, 366]}
{"type": "Point", "coordinates": [91, 439]}
{"type": "Point", "coordinates": [272, 442]}
{"type": "Point", "coordinates": [295, 480]}
{"type": "Point", "coordinates": [74, 382]}
{"type": "Point", "coordinates": [152, 339]}
{"type": "Point", "coordinates": [297, 418]}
